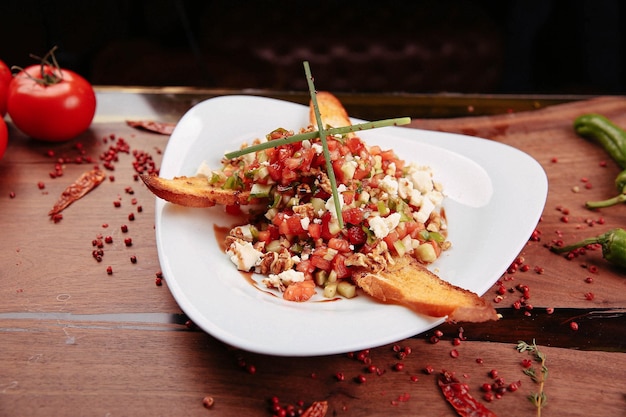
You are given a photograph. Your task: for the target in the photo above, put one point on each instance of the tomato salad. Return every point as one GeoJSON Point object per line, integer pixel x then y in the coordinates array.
{"type": "Point", "coordinates": [388, 207]}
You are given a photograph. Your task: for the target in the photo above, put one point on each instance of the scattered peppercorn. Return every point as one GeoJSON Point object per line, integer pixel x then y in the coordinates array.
{"type": "Point", "coordinates": [208, 402]}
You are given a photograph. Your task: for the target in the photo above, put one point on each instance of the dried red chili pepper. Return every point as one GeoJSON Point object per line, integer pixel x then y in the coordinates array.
{"type": "Point", "coordinates": [85, 183]}
{"type": "Point", "coordinates": [152, 126]}
{"type": "Point", "coordinates": [317, 409]}
{"type": "Point", "coordinates": [457, 394]}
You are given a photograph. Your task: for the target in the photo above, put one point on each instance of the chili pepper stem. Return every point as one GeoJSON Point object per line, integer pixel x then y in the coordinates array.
{"type": "Point", "coordinates": [573, 246]}
{"type": "Point", "coordinates": [613, 245]}
{"type": "Point", "coordinates": [606, 203]}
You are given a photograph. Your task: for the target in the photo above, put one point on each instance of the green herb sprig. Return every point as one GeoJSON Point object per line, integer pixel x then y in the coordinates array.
{"type": "Point", "coordinates": [322, 133]}
{"type": "Point", "coordinates": [539, 398]}
{"type": "Point", "coordinates": [312, 135]}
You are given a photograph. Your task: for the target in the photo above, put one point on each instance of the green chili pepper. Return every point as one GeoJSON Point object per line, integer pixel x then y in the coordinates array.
{"type": "Point", "coordinates": [613, 245]}
{"type": "Point", "coordinates": [620, 184]}
{"type": "Point", "coordinates": [611, 137]}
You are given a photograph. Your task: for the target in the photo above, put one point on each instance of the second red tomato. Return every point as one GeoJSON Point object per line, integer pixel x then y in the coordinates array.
{"type": "Point", "coordinates": [5, 79]}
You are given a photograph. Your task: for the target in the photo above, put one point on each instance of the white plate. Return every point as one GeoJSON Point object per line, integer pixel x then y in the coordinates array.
{"type": "Point", "coordinates": [494, 197]}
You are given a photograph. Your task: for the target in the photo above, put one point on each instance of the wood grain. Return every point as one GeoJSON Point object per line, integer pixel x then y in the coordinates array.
{"type": "Point", "coordinates": [78, 341]}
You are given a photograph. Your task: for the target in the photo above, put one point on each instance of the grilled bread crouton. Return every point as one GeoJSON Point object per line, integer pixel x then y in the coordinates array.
{"type": "Point", "coordinates": [409, 283]}
{"type": "Point", "coordinates": [194, 191]}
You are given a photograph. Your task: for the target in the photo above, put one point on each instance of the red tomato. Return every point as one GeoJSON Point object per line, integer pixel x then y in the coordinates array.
{"type": "Point", "coordinates": [5, 79]}
{"type": "Point", "coordinates": [51, 111]}
{"type": "Point", "coordinates": [4, 136]}
{"type": "Point", "coordinates": [339, 244]}
{"type": "Point", "coordinates": [339, 266]}
{"type": "Point", "coordinates": [354, 215]}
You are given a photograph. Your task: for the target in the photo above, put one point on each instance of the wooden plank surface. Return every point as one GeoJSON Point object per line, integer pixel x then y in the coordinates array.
{"type": "Point", "coordinates": [78, 341]}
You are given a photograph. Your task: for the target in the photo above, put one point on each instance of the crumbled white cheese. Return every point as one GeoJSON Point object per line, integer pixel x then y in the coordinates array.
{"type": "Point", "coordinates": [287, 277]}
{"type": "Point", "coordinates": [330, 203]}
{"type": "Point", "coordinates": [405, 188]}
{"type": "Point", "coordinates": [304, 222]}
{"type": "Point", "coordinates": [348, 169]}
{"type": "Point", "coordinates": [424, 212]}
{"type": "Point", "coordinates": [422, 180]}
{"type": "Point", "coordinates": [389, 185]}
{"type": "Point", "coordinates": [416, 198]}
{"type": "Point", "coordinates": [244, 255]}
{"type": "Point", "coordinates": [381, 226]}
{"type": "Point", "coordinates": [243, 232]}
{"type": "Point", "coordinates": [318, 148]}
{"type": "Point", "coordinates": [436, 197]}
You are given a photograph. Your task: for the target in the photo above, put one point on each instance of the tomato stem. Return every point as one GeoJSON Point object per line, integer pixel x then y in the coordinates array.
{"type": "Point", "coordinates": [50, 70]}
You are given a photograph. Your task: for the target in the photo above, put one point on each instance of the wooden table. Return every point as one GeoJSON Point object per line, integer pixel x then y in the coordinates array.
{"type": "Point", "coordinates": [78, 341]}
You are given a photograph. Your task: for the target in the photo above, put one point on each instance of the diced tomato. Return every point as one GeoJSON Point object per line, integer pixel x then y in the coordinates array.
{"type": "Point", "coordinates": [339, 175]}
{"type": "Point", "coordinates": [275, 171]}
{"type": "Point", "coordinates": [270, 153]}
{"type": "Point", "coordinates": [363, 169]}
{"type": "Point", "coordinates": [278, 219]}
{"type": "Point", "coordinates": [353, 215]}
{"type": "Point", "coordinates": [293, 163]}
{"type": "Point", "coordinates": [274, 233]}
{"type": "Point", "coordinates": [388, 155]}
{"type": "Point", "coordinates": [288, 176]}
{"type": "Point", "coordinates": [391, 238]}
{"type": "Point", "coordinates": [339, 266]}
{"type": "Point", "coordinates": [436, 247]}
{"type": "Point", "coordinates": [319, 161]}
{"type": "Point", "coordinates": [315, 230]}
{"type": "Point", "coordinates": [348, 197]}
{"type": "Point", "coordinates": [283, 228]}
{"type": "Point", "coordinates": [355, 145]}
{"type": "Point", "coordinates": [333, 144]}
{"type": "Point", "coordinates": [401, 230]}
{"type": "Point", "coordinates": [413, 228]}
{"type": "Point", "coordinates": [339, 244]}
{"type": "Point", "coordinates": [317, 259]}
{"type": "Point", "coordinates": [305, 266]}
{"type": "Point", "coordinates": [356, 235]}
{"type": "Point", "coordinates": [399, 165]}
{"type": "Point", "coordinates": [294, 224]}
{"type": "Point", "coordinates": [265, 236]}
{"type": "Point", "coordinates": [284, 152]}
{"type": "Point", "coordinates": [326, 233]}
{"type": "Point", "coordinates": [307, 158]}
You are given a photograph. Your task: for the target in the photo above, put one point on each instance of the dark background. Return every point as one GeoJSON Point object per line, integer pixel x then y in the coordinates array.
{"type": "Point", "coordinates": [488, 46]}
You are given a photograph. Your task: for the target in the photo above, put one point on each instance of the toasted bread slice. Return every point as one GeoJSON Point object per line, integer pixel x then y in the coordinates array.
{"type": "Point", "coordinates": [332, 112]}
{"type": "Point", "coordinates": [194, 192]}
{"type": "Point", "coordinates": [409, 283]}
